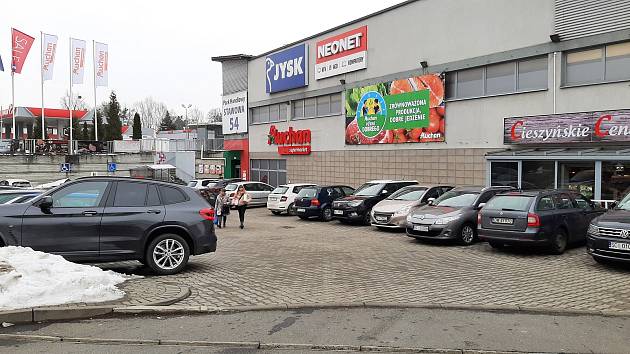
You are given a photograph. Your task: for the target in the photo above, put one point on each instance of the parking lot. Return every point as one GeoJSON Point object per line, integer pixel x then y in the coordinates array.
{"type": "Point", "coordinates": [281, 259]}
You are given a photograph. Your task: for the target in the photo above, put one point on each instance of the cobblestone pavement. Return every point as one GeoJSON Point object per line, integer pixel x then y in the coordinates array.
{"type": "Point", "coordinates": [280, 259]}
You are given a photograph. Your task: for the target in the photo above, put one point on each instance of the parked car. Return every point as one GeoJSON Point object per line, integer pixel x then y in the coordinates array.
{"type": "Point", "coordinates": [8, 196]}
{"type": "Point", "coordinates": [103, 219]}
{"type": "Point", "coordinates": [52, 184]}
{"type": "Point", "coordinates": [357, 207]}
{"type": "Point", "coordinates": [553, 218]}
{"type": "Point", "coordinates": [258, 191]}
{"type": "Point", "coordinates": [282, 198]}
{"type": "Point", "coordinates": [212, 187]}
{"type": "Point", "coordinates": [392, 211]}
{"type": "Point", "coordinates": [609, 234]}
{"type": "Point", "coordinates": [16, 182]}
{"type": "Point", "coordinates": [317, 201]}
{"type": "Point", "coordinates": [452, 216]}
{"type": "Point", "coordinates": [202, 183]}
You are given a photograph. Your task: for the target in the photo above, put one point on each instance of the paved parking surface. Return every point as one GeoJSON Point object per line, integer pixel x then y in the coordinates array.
{"type": "Point", "coordinates": [280, 259]}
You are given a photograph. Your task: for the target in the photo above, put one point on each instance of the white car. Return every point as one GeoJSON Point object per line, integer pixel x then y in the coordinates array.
{"type": "Point", "coordinates": [258, 191]}
{"type": "Point", "coordinates": [281, 199]}
{"type": "Point", "coordinates": [16, 182]}
{"type": "Point", "coordinates": [202, 183]}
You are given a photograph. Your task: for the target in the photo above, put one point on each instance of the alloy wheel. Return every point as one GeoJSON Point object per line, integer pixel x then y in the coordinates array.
{"type": "Point", "coordinates": [168, 254]}
{"type": "Point", "coordinates": [467, 234]}
{"type": "Point", "coordinates": [327, 214]}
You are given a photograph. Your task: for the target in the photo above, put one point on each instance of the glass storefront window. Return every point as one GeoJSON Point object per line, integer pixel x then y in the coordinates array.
{"type": "Point", "coordinates": [504, 174]}
{"type": "Point", "coordinates": [577, 176]}
{"type": "Point", "coordinates": [615, 180]}
{"type": "Point", "coordinates": [538, 175]}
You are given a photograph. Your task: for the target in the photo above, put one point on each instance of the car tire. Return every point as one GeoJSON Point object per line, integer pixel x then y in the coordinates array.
{"type": "Point", "coordinates": [175, 260]}
{"type": "Point", "coordinates": [367, 219]}
{"type": "Point", "coordinates": [496, 245]}
{"type": "Point", "coordinates": [291, 210]}
{"type": "Point", "coordinates": [559, 242]}
{"type": "Point", "coordinates": [467, 234]}
{"type": "Point", "coordinates": [326, 214]}
{"type": "Point", "coordinates": [275, 212]}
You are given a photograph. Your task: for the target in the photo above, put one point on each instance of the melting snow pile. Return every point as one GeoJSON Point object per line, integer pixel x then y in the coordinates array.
{"type": "Point", "coordinates": [42, 279]}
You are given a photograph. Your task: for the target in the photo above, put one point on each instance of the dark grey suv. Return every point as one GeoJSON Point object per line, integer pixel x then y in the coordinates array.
{"type": "Point", "coordinates": [103, 219]}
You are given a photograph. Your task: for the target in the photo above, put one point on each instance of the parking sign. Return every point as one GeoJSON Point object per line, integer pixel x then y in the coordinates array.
{"type": "Point", "coordinates": [65, 167]}
{"type": "Point", "coordinates": [111, 167]}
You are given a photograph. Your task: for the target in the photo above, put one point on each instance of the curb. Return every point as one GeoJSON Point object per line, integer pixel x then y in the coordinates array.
{"type": "Point", "coordinates": [252, 345]}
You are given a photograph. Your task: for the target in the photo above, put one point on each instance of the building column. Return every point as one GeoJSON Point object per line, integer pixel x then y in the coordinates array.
{"type": "Point", "coordinates": [598, 181]}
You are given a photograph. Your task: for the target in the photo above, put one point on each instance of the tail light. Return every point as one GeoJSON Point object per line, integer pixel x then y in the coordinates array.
{"type": "Point", "coordinates": [283, 198]}
{"type": "Point", "coordinates": [479, 218]}
{"type": "Point", "coordinates": [533, 220]}
{"type": "Point", "coordinates": [315, 202]}
{"type": "Point", "coordinates": [207, 213]}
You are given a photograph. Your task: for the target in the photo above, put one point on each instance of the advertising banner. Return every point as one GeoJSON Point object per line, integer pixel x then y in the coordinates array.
{"type": "Point", "coordinates": [49, 49]}
{"type": "Point", "coordinates": [20, 46]}
{"type": "Point", "coordinates": [77, 60]}
{"type": "Point", "coordinates": [101, 63]}
{"type": "Point", "coordinates": [400, 111]}
{"type": "Point", "coordinates": [585, 127]}
{"type": "Point", "coordinates": [287, 69]}
{"type": "Point", "coordinates": [235, 113]}
{"type": "Point", "coordinates": [342, 53]}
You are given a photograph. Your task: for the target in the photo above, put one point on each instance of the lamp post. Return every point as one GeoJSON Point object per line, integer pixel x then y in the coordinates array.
{"type": "Point", "coordinates": [186, 107]}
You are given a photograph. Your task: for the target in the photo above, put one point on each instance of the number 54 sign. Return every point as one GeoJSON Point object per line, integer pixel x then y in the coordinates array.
{"type": "Point", "coordinates": [235, 113]}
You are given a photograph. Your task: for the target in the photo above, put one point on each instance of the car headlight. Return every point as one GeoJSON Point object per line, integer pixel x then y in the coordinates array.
{"type": "Point", "coordinates": [593, 230]}
{"type": "Point", "coordinates": [444, 221]}
{"type": "Point", "coordinates": [403, 211]}
{"type": "Point", "coordinates": [355, 203]}
{"type": "Point", "coordinates": [409, 218]}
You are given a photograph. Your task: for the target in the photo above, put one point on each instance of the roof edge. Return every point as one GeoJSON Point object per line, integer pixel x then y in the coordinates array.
{"type": "Point", "coordinates": [222, 58]}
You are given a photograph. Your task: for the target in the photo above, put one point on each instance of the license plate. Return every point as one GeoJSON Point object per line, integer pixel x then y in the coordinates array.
{"type": "Point", "coordinates": [380, 218]}
{"type": "Point", "coordinates": [420, 228]}
{"type": "Point", "coordinates": [273, 198]}
{"type": "Point", "coordinates": [505, 221]}
{"type": "Point", "coordinates": [338, 212]}
{"type": "Point", "coordinates": [619, 246]}
{"type": "Point", "coordinates": [301, 210]}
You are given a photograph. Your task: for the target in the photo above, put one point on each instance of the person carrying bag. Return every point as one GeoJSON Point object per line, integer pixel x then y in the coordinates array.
{"type": "Point", "coordinates": [240, 200]}
{"type": "Point", "coordinates": [222, 209]}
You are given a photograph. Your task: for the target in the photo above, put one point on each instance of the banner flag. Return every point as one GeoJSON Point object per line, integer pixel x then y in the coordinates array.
{"type": "Point", "coordinates": [49, 48]}
{"type": "Point", "coordinates": [1, 66]}
{"type": "Point", "coordinates": [101, 64]}
{"type": "Point", "coordinates": [77, 60]}
{"type": "Point", "coordinates": [20, 46]}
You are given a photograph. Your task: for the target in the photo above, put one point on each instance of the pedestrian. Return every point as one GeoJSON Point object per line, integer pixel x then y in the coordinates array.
{"type": "Point", "coordinates": [240, 200]}
{"type": "Point", "coordinates": [222, 208]}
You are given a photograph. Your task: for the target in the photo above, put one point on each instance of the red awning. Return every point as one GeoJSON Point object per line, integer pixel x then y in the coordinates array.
{"type": "Point", "coordinates": [57, 113]}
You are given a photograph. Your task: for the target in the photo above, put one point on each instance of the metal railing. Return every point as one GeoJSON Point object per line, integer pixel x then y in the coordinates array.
{"type": "Point", "coordinates": [605, 203]}
{"type": "Point", "coordinates": [50, 147]}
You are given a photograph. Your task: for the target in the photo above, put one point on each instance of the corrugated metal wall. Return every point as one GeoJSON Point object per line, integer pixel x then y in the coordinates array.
{"type": "Point", "coordinates": [234, 76]}
{"type": "Point", "coordinates": [581, 18]}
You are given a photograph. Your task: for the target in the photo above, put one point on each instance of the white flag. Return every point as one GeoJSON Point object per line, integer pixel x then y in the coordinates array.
{"type": "Point", "coordinates": [49, 48]}
{"type": "Point", "coordinates": [101, 64]}
{"type": "Point", "coordinates": [77, 60]}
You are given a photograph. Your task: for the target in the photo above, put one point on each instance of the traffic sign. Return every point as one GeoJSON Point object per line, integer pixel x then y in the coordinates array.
{"type": "Point", "coordinates": [65, 167]}
{"type": "Point", "coordinates": [111, 167]}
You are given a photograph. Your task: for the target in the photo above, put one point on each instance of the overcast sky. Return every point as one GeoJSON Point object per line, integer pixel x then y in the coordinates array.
{"type": "Point", "coordinates": [159, 48]}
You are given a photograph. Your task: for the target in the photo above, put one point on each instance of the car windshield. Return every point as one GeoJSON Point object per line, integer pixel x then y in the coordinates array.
{"type": "Point", "coordinates": [231, 187]}
{"type": "Point", "coordinates": [21, 184]}
{"type": "Point", "coordinates": [192, 183]}
{"type": "Point", "coordinates": [9, 196]}
{"type": "Point", "coordinates": [307, 193]}
{"type": "Point", "coordinates": [624, 204]}
{"type": "Point", "coordinates": [411, 194]}
{"type": "Point", "coordinates": [369, 189]}
{"type": "Point", "coordinates": [280, 190]}
{"type": "Point", "coordinates": [457, 198]}
{"type": "Point", "coordinates": [510, 203]}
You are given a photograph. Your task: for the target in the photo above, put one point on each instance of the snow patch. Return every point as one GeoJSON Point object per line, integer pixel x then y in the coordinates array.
{"type": "Point", "coordinates": [42, 279]}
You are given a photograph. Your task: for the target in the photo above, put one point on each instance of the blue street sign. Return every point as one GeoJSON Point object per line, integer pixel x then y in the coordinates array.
{"type": "Point", "coordinates": [111, 167]}
{"type": "Point", "coordinates": [65, 167]}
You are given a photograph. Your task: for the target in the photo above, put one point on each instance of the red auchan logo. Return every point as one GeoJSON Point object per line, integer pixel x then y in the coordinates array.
{"type": "Point", "coordinates": [290, 137]}
{"type": "Point", "coordinates": [342, 45]}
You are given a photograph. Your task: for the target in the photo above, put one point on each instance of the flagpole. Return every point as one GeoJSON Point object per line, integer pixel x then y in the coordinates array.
{"type": "Point", "coordinates": [70, 150]}
{"type": "Point", "coordinates": [41, 45]}
{"type": "Point", "coordinates": [95, 110]}
{"type": "Point", "coordinates": [12, 101]}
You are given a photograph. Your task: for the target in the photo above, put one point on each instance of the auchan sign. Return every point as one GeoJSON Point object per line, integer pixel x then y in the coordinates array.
{"type": "Point", "coordinates": [290, 142]}
{"type": "Point", "coordinates": [342, 53]}
{"type": "Point", "coordinates": [586, 127]}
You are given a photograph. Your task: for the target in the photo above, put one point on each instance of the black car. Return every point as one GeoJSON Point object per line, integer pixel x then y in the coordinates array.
{"type": "Point", "coordinates": [316, 201]}
{"type": "Point", "coordinates": [609, 234]}
{"type": "Point", "coordinates": [103, 219]}
{"type": "Point", "coordinates": [452, 216]}
{"type": "Point", "coordinates": [357, 207]}
{"type": "Point", "coordinates": [552, 218]}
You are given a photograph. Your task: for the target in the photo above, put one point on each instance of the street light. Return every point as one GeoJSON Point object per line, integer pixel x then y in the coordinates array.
{"type": "Point", "coordinates": [186, 108]}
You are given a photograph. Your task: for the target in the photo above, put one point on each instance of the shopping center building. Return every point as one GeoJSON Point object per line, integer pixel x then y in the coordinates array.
{"type": "Point", "coordinates": [530, 93]}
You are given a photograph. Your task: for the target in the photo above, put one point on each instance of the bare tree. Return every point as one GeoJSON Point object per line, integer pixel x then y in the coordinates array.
{"type": "Point", "coordinates": [151, 112]}
{"type": "Point", "coordinates": [77, 101]}
{"type": "Point", "coordinates": [214, 116]}
{"type": "Point", "coordinates": [195, 115]}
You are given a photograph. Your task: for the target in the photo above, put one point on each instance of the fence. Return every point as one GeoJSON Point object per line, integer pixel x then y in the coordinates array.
{"type": "Point", "coordinates": [50, 147]}
{"type": "Point", "coordinates": [165, 145]}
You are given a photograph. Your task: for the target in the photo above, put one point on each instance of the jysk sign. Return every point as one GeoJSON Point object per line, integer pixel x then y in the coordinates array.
{"type": "Point", "coordinates": [287, 69]}
{"type": "Point", "coordinates": [235, 113]}
{"type": "Point", "coordinates": [342, 53]}
{"type": "Point", "coordinates": [587, 127]}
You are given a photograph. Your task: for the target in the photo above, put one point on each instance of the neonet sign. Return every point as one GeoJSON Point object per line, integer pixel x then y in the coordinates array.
{"type": "Point", "coordinates": [586, 127]}
{"type": "Point", "coordinates": [290, 142]}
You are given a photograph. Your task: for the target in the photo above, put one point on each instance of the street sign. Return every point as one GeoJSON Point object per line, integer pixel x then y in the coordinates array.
{"type": "Point", "coordinates": [65, 167]}
{"type": "Point", "coordinates": [111, 167]}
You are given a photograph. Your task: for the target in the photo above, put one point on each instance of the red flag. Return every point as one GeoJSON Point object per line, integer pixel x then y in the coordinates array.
{"type": "Point", "coordinates": [20, 45]}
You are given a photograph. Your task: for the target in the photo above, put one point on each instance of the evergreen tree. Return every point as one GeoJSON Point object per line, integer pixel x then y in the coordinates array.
{"type": "Point", "coordinates": [179, 123]}
{"type": "Point", "coordinates": [113, 131]}
{"type": "Point", "coordinates": [167, 122]}
{"type": "Point", "coordinates": [76, 132]}
{"type": "Point", "coordinates": [137, 127]}
{"type": "Point", "coordinates": [36, 133]}
{"type": "Point", "coordinates": [85, 133]}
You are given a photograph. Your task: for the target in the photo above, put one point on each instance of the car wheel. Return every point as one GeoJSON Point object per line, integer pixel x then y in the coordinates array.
{"type": "Point", "coordinates": [327, 214]}
{"type": "Point", "coordinates": [291, 210]}
{"type": "Point", "coordinates": [167, 254]}
{"type": "Point", "coordinates": [367, 219]}
{"type": "Point", "coordinates": [559, 242]}
{"type": "Point", "coordinates": [275, 212]}
{"type": "Point", "coordinates": [467, 234]}
{"type": "Point", "coordinates": [496, 245]}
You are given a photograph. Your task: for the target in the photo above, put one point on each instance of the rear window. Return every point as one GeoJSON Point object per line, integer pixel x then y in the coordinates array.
{"type": "Point", "coordinates": [307, 193]}
{"type": "Point", "coordinates": [510, 203]}
{"type": "Point", "coordinates": [171, 195]}
{"type": "Point", "coordinates": [231, 187]}
{"type": "Point", "coordinates": [280, 190]}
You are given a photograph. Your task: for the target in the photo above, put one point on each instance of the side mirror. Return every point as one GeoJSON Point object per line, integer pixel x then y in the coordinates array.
{"type": "Point", "coordinates": [481, 205]}
{"type": "Point", "coordinates": [46, 202]}
{"type": "Point", "coordinates": [384, 191]}
{"type": "Point", "coordinates": [612, 205]}
{"type": "Point", "coordinates": [430, 201]}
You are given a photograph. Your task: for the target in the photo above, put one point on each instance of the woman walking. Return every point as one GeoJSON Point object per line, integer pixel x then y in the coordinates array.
{"type": "Point", "coordinates": [241, 199]}
{"type": "Point", "coordinates": [222, 208]}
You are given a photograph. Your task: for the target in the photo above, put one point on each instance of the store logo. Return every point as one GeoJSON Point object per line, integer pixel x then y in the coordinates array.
{"type": "Point", "coordinates": [287, 69]}
{"type": "Point", "coordinates": [291, 142]}
{"type": "Point", "coordinates": [342, 53]}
